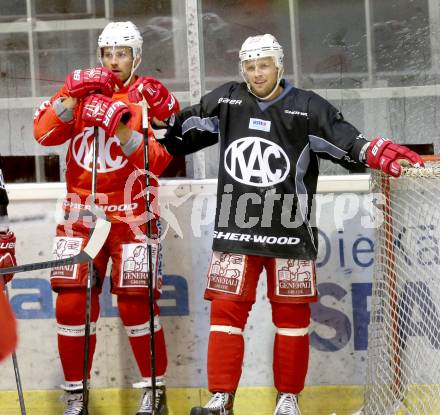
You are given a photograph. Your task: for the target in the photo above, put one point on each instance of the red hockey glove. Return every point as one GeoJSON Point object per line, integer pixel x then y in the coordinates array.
{"type": "Point", "coordinates": [383, 154]}
{"type": "Point", "coordinates": [83, 82]}
{"type": "Point", "coordinates": [7, 253]}
{"type": "Point", "coordinates": [102, 111]}
{"type": "Point", "coordinates": [162, 104]}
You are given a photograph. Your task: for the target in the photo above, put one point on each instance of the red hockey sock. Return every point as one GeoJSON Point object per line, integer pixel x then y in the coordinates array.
{"type": "Point", "coordinates": [291, 346]}
{"type": "Point", "coordinates": [226, 349]}
{"type": "Point", "coordinates": [290, 362]}
{"type": "Point", "coordinates": [225, 358]}
{"type": "Point", "coordinates": [70, 315]}
{"type": "Point", "coordinates": [135, 316]}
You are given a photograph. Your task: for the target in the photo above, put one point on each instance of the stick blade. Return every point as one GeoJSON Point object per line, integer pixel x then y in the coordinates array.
{"type": "Point", "coordinates": [98, 237]}
{"type": "Point", "coordinates": [96, 242]}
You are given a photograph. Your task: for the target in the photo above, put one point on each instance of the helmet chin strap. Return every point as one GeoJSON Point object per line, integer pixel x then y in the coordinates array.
{"type": "Point", "coordinates": [127, 82]}
{"type": "Point", "coordinates": [133, 70]}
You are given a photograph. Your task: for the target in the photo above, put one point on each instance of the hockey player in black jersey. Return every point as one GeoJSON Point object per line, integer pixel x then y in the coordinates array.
{"type": "Point", "coordinates": [271, 137]}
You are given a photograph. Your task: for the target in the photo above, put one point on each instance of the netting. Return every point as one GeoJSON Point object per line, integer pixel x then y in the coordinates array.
{"type": "Point", "coordinates": [403, 370]}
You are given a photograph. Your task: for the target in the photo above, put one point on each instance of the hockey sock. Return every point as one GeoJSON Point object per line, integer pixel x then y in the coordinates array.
{"type": "Point", "coordinates": [135, 316]}
{"type": "Point", "coordinates": [226, 344]}
{"type": "Point", "coordinates": [291, 346]}
{"type": "Point", "coordinates": [70, 315]}
{"type": "Point", "coordinates": [225, 358]}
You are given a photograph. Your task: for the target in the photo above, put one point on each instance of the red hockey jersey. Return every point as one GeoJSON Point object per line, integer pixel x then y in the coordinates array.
{"type": "Point", "coordinates": [120, 179]}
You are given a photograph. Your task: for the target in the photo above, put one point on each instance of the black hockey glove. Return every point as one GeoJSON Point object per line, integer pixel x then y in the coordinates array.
{"type": "Point", "coordinates": [172, 140]}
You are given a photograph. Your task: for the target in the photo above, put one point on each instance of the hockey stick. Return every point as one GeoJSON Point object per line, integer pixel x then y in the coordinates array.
{"type": "Point", "coordinates": [97, 239]}
{"type": "Point", "coordinates": [90, 274]}
{"type": "Point", "coordinates": [17, 372]}
{"type": "Point", "coordinates": [149, 251]}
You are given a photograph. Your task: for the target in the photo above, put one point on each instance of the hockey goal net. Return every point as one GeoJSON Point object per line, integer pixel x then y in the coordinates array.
{"type": "Point", "coordinates": [403, 369]}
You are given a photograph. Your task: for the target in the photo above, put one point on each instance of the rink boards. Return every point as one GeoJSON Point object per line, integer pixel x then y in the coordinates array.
{"type": "Point", "coordinates": [338, 333]}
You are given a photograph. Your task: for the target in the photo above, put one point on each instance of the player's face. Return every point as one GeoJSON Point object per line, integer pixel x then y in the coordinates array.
{"type": "Point", "coordinates": [119, 60]}
{"type": "Point", "coordinates": [262, 75]}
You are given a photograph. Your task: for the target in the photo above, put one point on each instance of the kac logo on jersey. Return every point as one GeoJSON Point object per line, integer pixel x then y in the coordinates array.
{"type": "Point", "coordinates": [257, 124]}
{"type": "Point", "coordinates": [108, 160]}
{"type": "Point", "coordinates": [256, 161]}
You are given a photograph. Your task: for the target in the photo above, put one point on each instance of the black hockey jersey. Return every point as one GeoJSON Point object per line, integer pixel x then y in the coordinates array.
{"type": "Point", "coordinates": [269, 164]}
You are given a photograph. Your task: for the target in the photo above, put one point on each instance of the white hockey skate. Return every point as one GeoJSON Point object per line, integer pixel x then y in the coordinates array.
{"type": "Point", "coordinates": [221, 403]}
{"type": "Point", "coordinates": [147, 402]}
{"type": "Point", "coordinates": [74, 403]}
{"type": "Point", "coordinates": [287, 404]}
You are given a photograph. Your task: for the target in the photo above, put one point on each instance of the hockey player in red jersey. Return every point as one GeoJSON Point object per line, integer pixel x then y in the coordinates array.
{"type": "Point", "coordinates": [8, 325]}
{"type": "Point", "coordinates": [103, 96]}
{"type": "Point", "coordinates": [271, 137]}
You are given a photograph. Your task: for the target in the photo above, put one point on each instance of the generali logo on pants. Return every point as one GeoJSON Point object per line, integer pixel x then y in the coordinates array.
{"type": "Point", "coordinates": [295, 277]}
{"type": "Point", "coordinates": [65, 247]}
{"type": "Point", "coordinates": [108, 158]}
{"type": "Point", "coordinates": [226, 272]}
{"type": "Point", "coordinates": [134, 265]}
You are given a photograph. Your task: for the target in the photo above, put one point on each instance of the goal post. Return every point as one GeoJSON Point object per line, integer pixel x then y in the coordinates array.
{"type": "Point", "coordinates": [403, 364]}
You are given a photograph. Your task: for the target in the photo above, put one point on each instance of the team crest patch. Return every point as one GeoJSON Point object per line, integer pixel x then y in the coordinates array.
{"type": "Point", "coordinates": [134, 265]}
{"type": "Point", "coordinates": [295, 278]}
{"type": "Point", "coordinates": [226, 272]}
{"type": "Point", "coordinates": [65, 247]}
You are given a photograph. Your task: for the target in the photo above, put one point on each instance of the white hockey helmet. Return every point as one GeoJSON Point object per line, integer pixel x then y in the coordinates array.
{"type": "Point", "coordinates": [262, 46]}
{"type": "Point", "coordinates": [126, 34]}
